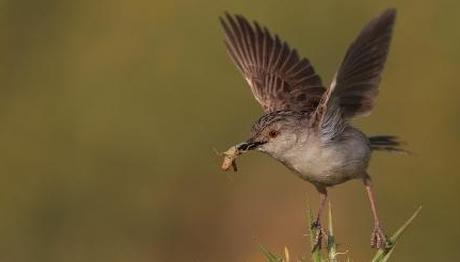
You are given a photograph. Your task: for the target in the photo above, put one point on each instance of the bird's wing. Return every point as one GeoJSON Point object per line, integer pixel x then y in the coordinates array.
{"type": "Point", "coordinates": [278, 77]}
{"type": "Point", "coordinates": [354, 88]}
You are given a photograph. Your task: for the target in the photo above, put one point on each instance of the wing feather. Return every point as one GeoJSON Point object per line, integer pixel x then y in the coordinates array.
{"type": "Point", "coordinates": [355, 87]}
{"type": "Point", "coordinates": [278, 77]}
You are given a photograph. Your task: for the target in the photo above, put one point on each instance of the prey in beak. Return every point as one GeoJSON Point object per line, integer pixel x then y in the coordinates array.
{"type": "Point", "coordinates": [233, 152]}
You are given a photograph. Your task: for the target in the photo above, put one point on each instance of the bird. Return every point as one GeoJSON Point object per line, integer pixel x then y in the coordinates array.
{"type": "Point", "coordinates": [306, 126]}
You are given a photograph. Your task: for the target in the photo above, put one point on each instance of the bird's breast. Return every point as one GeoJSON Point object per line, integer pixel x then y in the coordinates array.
{"type": "Point", "coordinates": [328, 165]}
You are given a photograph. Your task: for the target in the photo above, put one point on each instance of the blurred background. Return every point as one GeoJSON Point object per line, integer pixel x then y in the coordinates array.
{"type": "Point", "coordinates": [110, 110]}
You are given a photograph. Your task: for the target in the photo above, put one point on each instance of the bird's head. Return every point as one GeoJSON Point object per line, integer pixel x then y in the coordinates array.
{"type": "Point", "coordinates": [274, 133]}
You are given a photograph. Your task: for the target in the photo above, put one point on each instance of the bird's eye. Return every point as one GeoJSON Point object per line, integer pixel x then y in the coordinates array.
{"type": "Point", "coordinates": [273, 133]}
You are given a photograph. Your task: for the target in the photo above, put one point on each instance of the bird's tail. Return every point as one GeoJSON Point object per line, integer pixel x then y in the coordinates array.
{"type": "Point", "coordinates": [387, 143]}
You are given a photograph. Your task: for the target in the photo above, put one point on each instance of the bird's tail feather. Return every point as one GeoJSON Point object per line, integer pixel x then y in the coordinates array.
{"type": "Point", "coordinates": [386, 143]}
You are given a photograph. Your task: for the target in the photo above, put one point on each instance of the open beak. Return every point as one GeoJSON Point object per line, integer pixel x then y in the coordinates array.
{"type": "Point", "coordinates": [249, 145]}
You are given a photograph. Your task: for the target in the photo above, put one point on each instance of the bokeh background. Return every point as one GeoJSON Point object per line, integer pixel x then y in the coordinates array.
{"type": "Point", "coordinates": [110, 110]}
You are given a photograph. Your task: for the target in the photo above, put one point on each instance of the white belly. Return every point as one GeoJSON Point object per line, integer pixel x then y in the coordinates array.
{"type": "Point", "coordinates": [328, 165]}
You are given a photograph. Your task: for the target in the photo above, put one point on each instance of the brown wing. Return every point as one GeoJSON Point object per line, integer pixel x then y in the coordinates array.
{"type": "Point", "coordinates": [355, 86]}
{"type": "Point", "coordinates": [278, 78]}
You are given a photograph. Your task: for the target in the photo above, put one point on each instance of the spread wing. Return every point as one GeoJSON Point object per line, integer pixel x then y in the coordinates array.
{"type": "Point", "coordinates": [278, 77]}
{"type": "Point", "coordinates": [355, 86]}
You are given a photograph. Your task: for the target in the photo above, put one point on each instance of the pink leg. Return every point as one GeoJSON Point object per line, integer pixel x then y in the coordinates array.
{"type": "Point", "coordinates": [378, 239]}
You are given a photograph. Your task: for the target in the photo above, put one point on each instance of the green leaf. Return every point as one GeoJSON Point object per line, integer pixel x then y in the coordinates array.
{"type": "Point", "coordinates": [383, 254]}
{"type": "Point", "coordinates": [271, 257]}
{"type": "Point", "coordinates": [316, 253]}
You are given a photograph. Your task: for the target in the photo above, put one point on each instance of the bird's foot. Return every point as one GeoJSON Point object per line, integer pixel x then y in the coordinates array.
{"type": "Point", "coordinates": [379, 239]}
{"type": "Point", "coordinates": [319, 233]}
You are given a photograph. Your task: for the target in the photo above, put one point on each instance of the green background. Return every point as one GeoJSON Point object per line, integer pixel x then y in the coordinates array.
{"type": "Point", "coordinates": [110, 110]}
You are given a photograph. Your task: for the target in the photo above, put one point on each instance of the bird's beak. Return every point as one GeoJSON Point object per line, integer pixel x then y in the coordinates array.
{"type": "Point", "coordinates": [249, 145]}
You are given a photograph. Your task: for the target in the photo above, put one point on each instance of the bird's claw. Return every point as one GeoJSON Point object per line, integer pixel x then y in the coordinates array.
{"type": "Point", "coordinates": [379, 239]}
{"type": "Point", "coordinates": [319, 233]}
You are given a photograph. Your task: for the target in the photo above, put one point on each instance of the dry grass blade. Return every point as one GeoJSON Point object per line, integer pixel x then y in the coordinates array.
{"type": "Point", "coordinates": [331, 245]}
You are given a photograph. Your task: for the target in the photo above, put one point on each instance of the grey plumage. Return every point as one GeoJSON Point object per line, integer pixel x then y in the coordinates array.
{"type": "Point", "coordinates": [305, 126]}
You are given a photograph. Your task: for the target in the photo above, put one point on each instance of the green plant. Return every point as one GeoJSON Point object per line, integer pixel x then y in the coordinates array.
{"type": "Point", "coordinates": [382, 255]}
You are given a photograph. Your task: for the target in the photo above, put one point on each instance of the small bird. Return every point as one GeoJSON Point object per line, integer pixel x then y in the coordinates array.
{"type": "Point", "coordinates": [307, 126]}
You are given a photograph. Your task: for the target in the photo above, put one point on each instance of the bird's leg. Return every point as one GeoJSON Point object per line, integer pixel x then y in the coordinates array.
{"type": "Point", "coordinates": [316, 225]}
{"type": "Point", "coordinates": [378, 238]}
